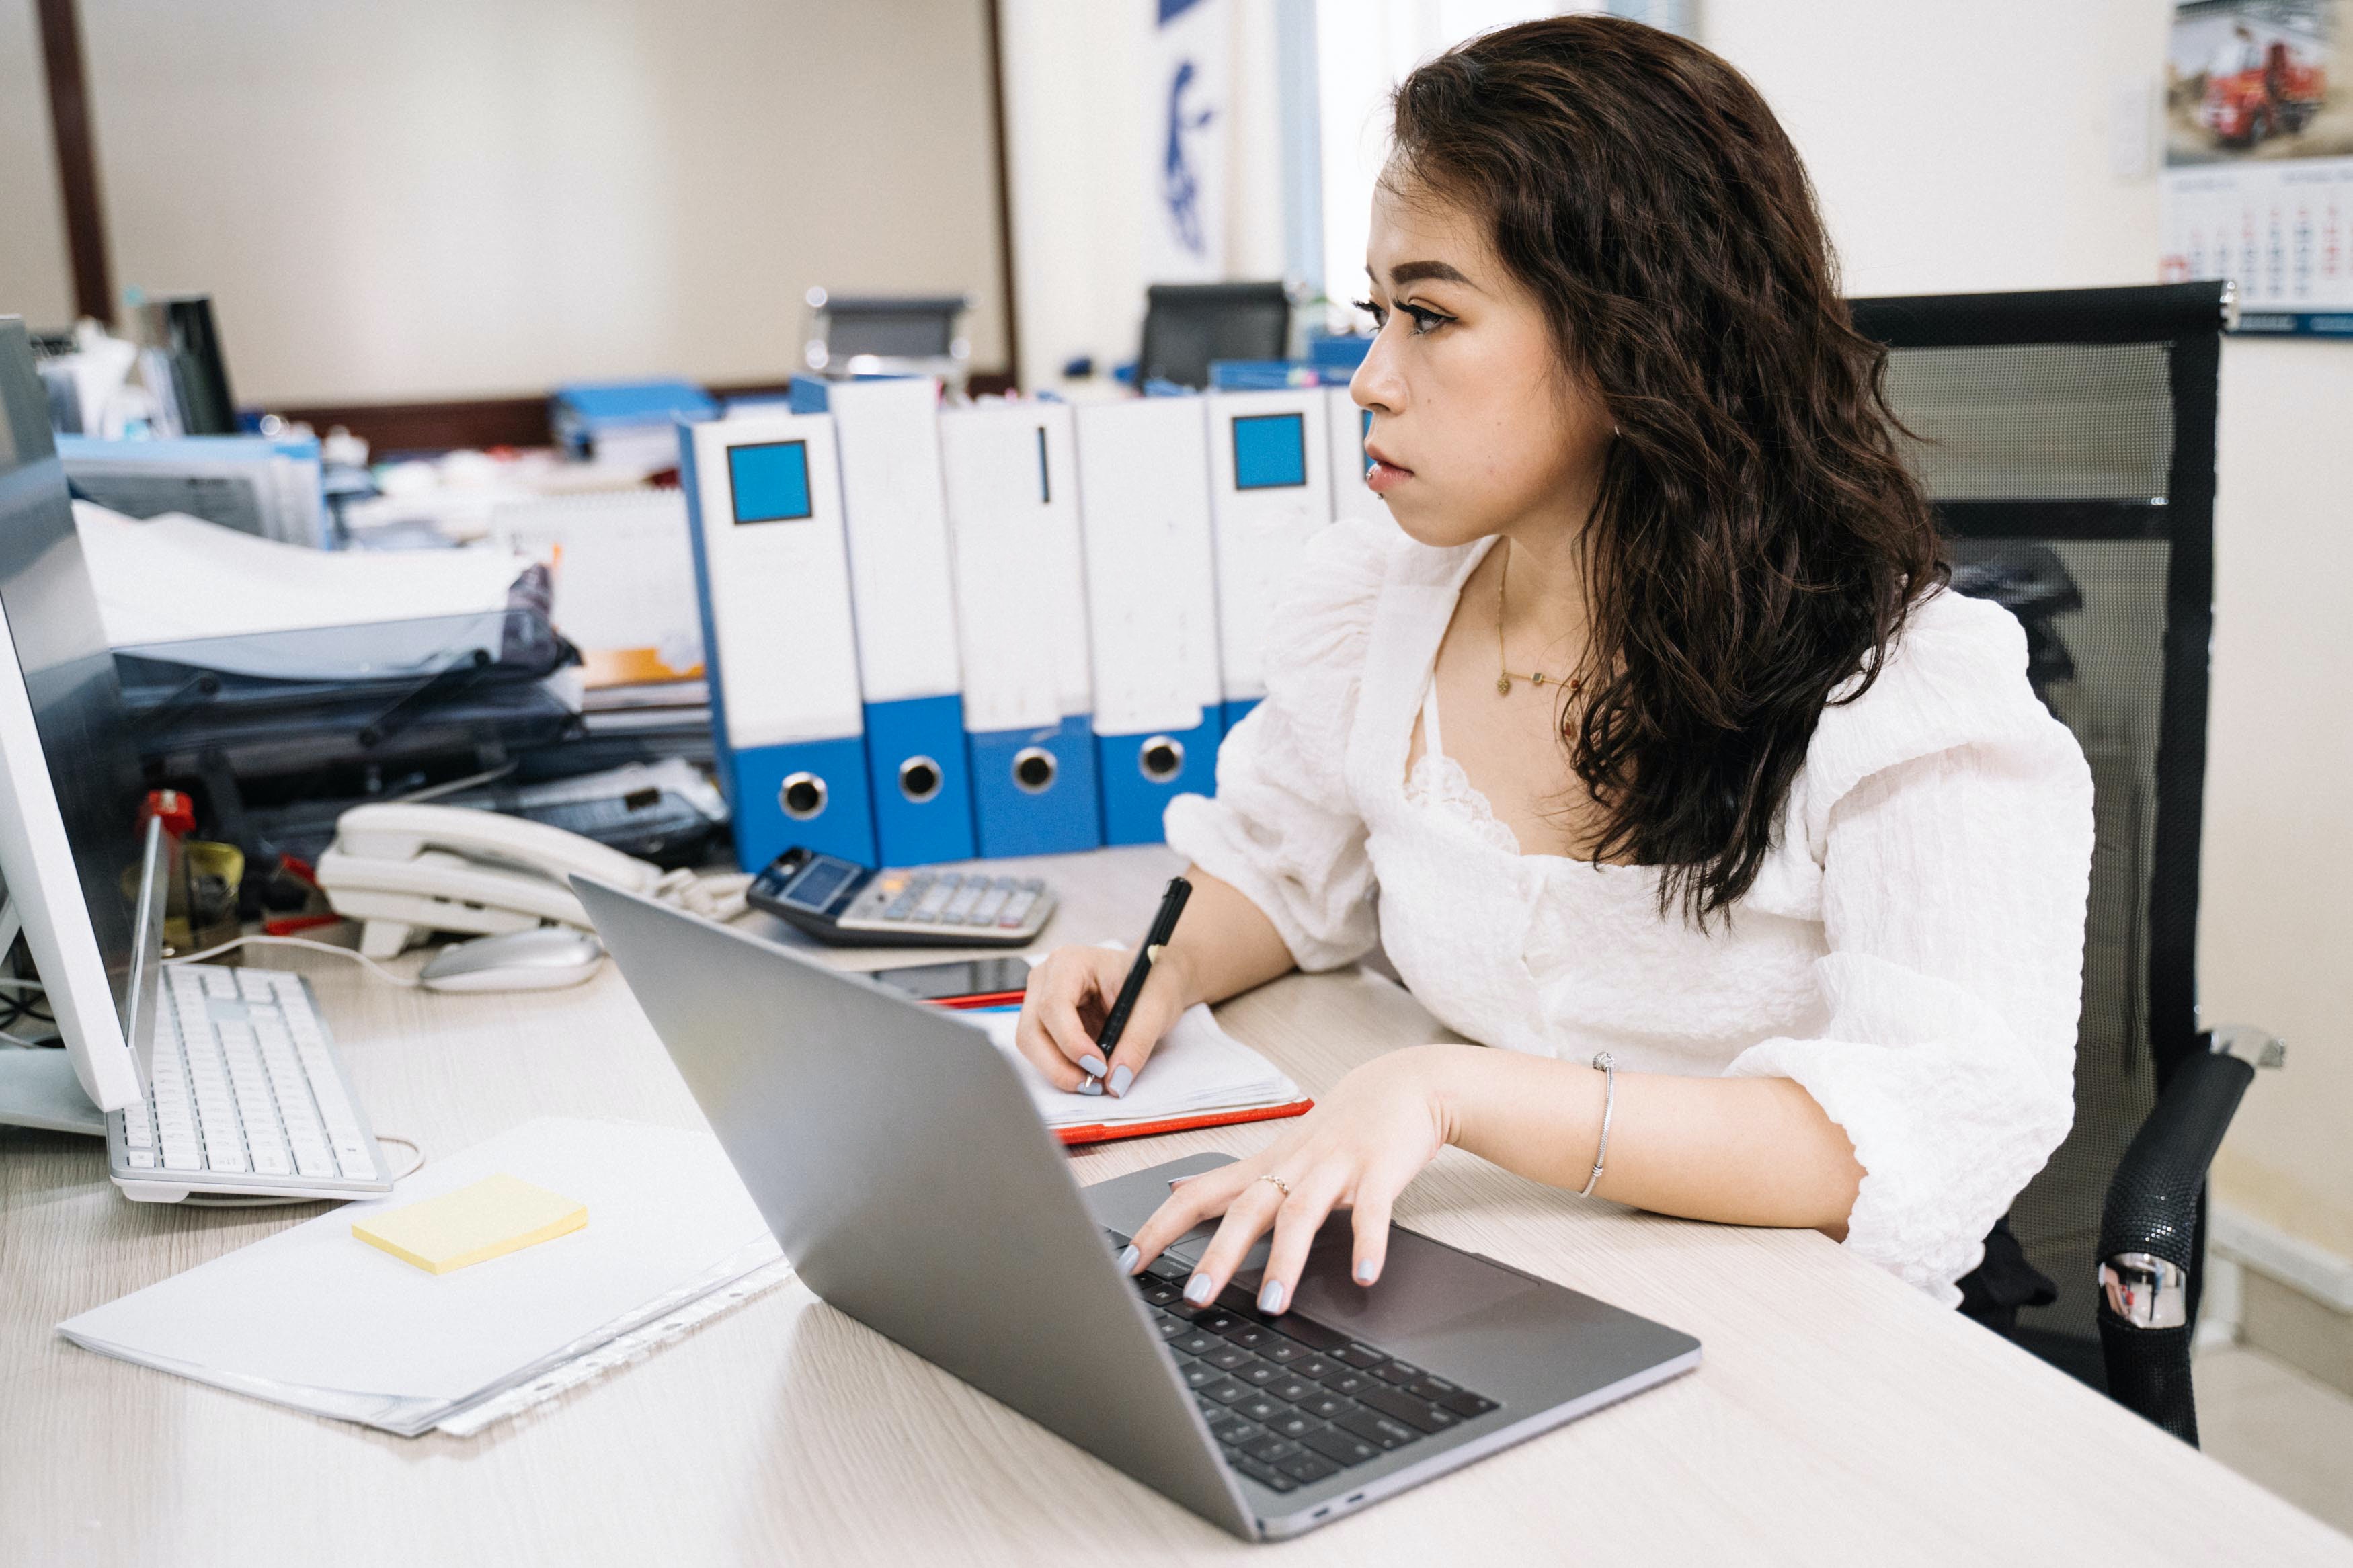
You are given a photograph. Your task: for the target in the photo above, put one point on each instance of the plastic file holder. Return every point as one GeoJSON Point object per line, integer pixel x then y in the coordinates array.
{"type": "Point", "coordinates": [1271, 489]}
{"type": "Point", "coordinates": [895, 511]}
{"type": "Point", "coordinates": [1021, 603]}
{"type": "Point", "coordinates": [772, 573]}
{"type": "Point", "coordinates": [1152, 606]}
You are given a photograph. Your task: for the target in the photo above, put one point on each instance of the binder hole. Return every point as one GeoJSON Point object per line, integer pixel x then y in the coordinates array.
{"type": "Point", "coordinates": [919, 779]}
{"type": "Point", "coordinates": [802, 796]}
{"type": "Point", "coordinates": [1162, 758]}
{"type": "Point", "coordinates": [1033, 768]}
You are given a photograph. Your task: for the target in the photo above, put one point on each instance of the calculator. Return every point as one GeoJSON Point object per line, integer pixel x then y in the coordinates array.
{"type": "Point", "coordinates": [849, 905]}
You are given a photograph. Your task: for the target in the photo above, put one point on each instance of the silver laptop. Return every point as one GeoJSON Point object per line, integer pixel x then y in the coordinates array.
{"type": "Point", "coordinates": [897, 1157]}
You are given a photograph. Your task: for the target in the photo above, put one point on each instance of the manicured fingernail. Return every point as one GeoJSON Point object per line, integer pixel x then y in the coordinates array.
{"type": "Point", "coordinates": [1093, 1064]}
{"type": "Point", "coordinates": [1367, 1271]}
{"type": "Point", "coordinates": [1200, 1288]}
{"type": "Point", "coordinates": [1120, 1077]}
{"type": "Point", "coordinates": [1129, 1259]}
{"type": "Point", "coordinates": [1270, 1300]}
{"type": "Point", "coordinates": [1089, 1086]}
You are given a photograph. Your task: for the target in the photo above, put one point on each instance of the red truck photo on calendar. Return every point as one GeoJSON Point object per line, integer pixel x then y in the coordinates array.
{"type": "Point", "coordinates": [2258, 182]}
{"type": "Point", "coordinates": [2256, 78]}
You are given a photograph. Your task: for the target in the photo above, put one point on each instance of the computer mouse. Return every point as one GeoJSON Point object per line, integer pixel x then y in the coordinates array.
{"type": "Point", "coordinates": [541, 959]}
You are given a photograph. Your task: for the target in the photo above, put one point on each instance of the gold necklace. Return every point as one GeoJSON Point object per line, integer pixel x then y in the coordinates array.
{"type": "Point", "coordinates": [1504, 676]}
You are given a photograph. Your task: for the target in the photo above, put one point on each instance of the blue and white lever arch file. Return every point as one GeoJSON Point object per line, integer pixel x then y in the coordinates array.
{"type": "Point", "coordinates": [1021, 615]}
{"type": "Point", "coordinates": [899, 583]}
{"type": "Point", "coordinates": [1271, 490]}
{"type": "Point", "coordinates": [1348, 427]}
{"type": "Point", "coordinates": [1152, 602]}
{"type": "Point", "coordinates": [772, 571]}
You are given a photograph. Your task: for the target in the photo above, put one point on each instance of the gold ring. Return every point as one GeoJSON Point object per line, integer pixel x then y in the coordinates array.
{"type": "Point", "coordinates": [1280, 1183]}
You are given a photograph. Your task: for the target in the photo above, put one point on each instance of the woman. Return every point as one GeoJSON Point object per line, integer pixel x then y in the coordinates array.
{"type": "Point", "coordinates": [1647, 716]}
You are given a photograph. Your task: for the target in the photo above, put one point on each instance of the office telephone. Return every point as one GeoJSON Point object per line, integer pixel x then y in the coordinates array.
{"type": "Point", "coordinates": [404, 870]}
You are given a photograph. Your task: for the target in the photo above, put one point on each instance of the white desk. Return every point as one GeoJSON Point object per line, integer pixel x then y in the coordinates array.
{"type": "Point", "coordinates": [1838, 1416]}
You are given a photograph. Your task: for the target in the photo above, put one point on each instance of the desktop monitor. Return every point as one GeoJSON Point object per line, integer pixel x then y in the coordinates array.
{"type": "Point", "coordinates": [78, 868]}
{"type": "Point", "coordinates": [180, 330]}
{"type": "Point", "coordinates": [1189, 325]}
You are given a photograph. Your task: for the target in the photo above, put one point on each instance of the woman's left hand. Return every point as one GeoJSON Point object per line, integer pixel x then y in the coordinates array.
{"type": "Point", "coordinates": [1359, 1147]}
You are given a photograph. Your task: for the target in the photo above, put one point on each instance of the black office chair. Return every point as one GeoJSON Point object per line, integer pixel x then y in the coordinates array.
{"type": "Point", "coordinates": [1189, 325]}
{"type": "Point", "coordinates": [2067, 441]}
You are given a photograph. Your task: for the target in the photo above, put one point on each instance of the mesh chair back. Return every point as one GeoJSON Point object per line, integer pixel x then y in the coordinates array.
{"type": "Point", "coordinates": [1188, 327]}
{"type": "Point", "coordinates": [2067, 441]}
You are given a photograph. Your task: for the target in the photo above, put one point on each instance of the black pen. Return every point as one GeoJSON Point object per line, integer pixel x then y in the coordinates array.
{"type": "Point", "coordinates": [1164, 926]}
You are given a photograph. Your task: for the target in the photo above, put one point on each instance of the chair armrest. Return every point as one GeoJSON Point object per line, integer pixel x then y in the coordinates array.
{"type": "Point", "coordinates": [2150, 1231]}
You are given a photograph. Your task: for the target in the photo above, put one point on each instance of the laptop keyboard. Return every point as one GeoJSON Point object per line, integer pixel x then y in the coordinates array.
{"type": "Point", "coordinates": [1290, 1401]}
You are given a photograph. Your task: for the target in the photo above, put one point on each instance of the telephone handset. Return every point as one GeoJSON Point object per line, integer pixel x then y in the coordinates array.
{"type": "Point", "coordinates": [403, 871]}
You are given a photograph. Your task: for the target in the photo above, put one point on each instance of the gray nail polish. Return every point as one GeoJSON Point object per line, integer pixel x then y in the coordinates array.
{"type": "Point", "coordinates": [1366, 1271]}
{"type": "Point", "coordinates": [1270, 1300]}
{"type": "Point", "coordinates": [1089, 1086]}
{"type": "Point", "coordinates": [1200, 1288]}
{"type": "Point", "coordinates": [1129, 1259]}
{"type": "Point", "coordinates": [1120, 1077]}
{"type": "Point", "coordinates": [1093, 1064]}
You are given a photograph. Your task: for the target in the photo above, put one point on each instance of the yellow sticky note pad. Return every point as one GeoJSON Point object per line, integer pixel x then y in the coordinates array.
{"type": "Point", "coordinates": [495, 1216]}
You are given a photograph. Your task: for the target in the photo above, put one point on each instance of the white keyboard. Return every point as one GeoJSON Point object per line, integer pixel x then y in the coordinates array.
{"type": "Point", "coordinates": [247, 1097]}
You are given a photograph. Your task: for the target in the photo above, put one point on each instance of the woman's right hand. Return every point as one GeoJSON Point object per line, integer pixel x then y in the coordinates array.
{"type": "Point", "coordinates": [1071, 992]}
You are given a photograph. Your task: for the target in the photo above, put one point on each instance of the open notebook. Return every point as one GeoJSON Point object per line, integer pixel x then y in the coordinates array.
{"type": "Point", "coordinates": [1199, 1076]}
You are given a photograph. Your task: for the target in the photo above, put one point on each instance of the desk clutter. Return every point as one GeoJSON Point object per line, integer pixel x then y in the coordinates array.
{"type": "Point", "coordinates": [323, 1319]}
{"type": "Point", "coordinates": [868, 622]}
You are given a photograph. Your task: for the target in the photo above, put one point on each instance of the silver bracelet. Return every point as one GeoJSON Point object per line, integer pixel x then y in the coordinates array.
{"type": "Point", "coordinates": [1602, 1064]}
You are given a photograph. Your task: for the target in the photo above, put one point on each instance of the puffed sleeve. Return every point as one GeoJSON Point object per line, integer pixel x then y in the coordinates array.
{"type": "Point", "coordinates": [1951, 817]}
{"type": "Point", "coordinates": [1282, 829]}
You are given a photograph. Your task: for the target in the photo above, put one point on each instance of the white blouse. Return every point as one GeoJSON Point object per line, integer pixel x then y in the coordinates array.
{"type": "Point", "coordinates": [1911, 950]}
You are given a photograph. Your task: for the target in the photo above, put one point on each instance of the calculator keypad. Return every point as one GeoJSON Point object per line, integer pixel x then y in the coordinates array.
{"type": "Point", "coordinates": [950, 902]}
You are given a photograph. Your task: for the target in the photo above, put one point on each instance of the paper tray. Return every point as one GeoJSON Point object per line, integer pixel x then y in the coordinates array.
{"type": "Point", "coordinates": [373, 663]}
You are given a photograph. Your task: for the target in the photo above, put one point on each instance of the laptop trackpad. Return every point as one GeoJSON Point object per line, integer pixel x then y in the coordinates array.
{"type": "Point", "coordinates": [1424, 1287]}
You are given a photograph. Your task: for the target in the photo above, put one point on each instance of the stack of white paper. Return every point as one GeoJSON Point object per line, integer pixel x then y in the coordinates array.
{"type": "Point", "coordinates": [316, 1319]}
{"type": "Point", "coordinates": [1198, 1070]}
{"type": "Point", "coordinates": [172, 579]}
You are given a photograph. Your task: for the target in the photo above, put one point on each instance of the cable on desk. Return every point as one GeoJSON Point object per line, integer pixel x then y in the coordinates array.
{"type": "Point", "coordinates": [412, 1146]}
{"type": "Point", "coordinates": [381, 971]}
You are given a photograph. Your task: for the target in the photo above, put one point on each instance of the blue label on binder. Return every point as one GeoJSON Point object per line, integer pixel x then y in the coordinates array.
{"type": "Point", "coordinates": [809, 792]}
{"type": "Point", "coordinates": [1142, 774]}
{"type": "Point", "coordinates": [1033, 791]}
{"type": "Point", "coordinates": [770, 481]}
{"type": "Point", "coordinates": [922, 780]}
{"type": "Point", "coordinates": [1233, 712]}
{"type": "Point", "coordinates": [1270, 451]}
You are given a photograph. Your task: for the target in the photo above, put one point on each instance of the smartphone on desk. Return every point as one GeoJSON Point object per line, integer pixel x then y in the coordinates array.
{"type": "Point", "coordinates": [972, 983]}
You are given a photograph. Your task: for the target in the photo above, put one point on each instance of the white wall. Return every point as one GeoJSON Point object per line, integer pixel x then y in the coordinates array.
{"type": "Point", "coordinates": [1964, 147]}
{"type": "Point", "coordinates": [34, 282]}
{"type": "Point", "coordinates": [1082, 126]}
{"type": "Point", "coordinates": [396, 199]}
{"type": "Point", "coordinates": [2277, 926]}
{"type": "Point", "coordinates": [1364, 48]}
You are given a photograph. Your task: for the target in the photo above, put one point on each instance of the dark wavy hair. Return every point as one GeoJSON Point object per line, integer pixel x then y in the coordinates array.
{"type": "Point", "coordinates": [1759, 540]}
